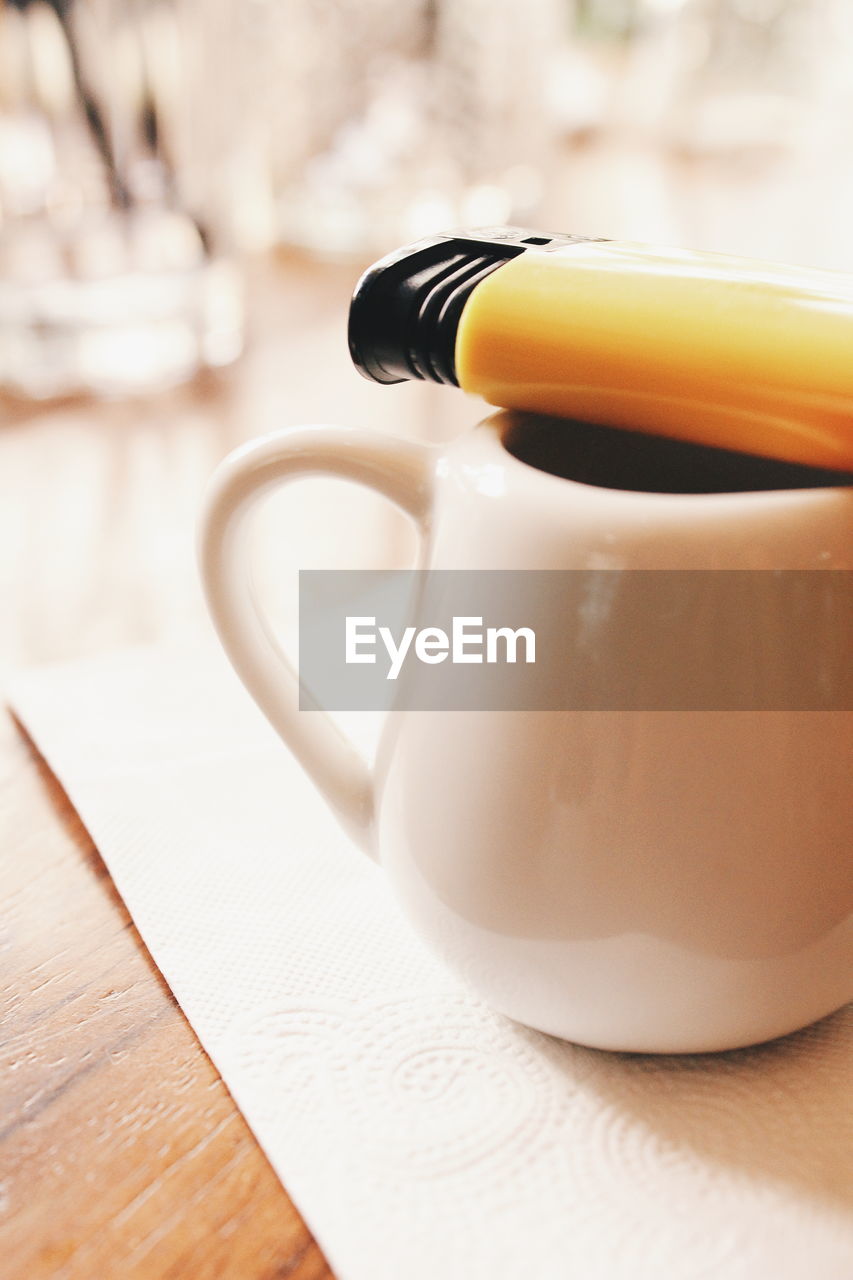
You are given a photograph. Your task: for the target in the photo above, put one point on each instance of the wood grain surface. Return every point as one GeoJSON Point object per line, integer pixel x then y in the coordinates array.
{"type": "Point", "coordinates": [121, 1150]}
{"type": "Point", "coordinates": [121, 1153]}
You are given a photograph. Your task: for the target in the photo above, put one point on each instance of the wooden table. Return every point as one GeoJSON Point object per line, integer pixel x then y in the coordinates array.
{"type": "Point", "coordinates": [121, 1153]}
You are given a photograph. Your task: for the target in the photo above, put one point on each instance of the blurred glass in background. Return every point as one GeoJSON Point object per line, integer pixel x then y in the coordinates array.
{"type": "Point", "coordinates": [115, 117]}
{"type": "Point", "coordinates": [711, 76]}
{"type": "Point", "coordinates": [378, 121]}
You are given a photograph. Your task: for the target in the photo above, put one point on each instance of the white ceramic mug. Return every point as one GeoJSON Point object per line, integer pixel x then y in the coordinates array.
{"type": "Point", "coordinates": [658, 881]}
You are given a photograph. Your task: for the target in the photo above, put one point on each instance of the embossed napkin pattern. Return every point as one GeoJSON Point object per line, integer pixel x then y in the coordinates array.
{"type": "Point", "coordinates": [420, 1134]}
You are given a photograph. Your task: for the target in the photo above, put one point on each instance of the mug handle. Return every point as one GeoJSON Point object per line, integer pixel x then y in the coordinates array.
{"type": "Point", "coordinates": [399, 469]}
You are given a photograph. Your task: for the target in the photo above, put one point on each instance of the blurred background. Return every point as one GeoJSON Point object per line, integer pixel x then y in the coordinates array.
{"type": "Point", "coordinates": [190, 188]}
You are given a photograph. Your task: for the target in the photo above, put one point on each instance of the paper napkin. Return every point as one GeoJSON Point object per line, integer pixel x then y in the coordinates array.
{"type": "Point", "coordinates": [421, 1135]}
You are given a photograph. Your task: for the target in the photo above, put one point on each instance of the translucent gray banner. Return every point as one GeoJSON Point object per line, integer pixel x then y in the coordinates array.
{"type": "Point", "coordinates": [584, 640]}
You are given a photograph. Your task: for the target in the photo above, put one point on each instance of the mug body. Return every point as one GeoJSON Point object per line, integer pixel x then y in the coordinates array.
{"type": "Point", "coordinates": [648, 880]}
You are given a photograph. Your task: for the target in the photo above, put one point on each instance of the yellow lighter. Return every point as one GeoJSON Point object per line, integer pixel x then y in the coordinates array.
{"type": "Point", "coordinates": [704, 347]}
